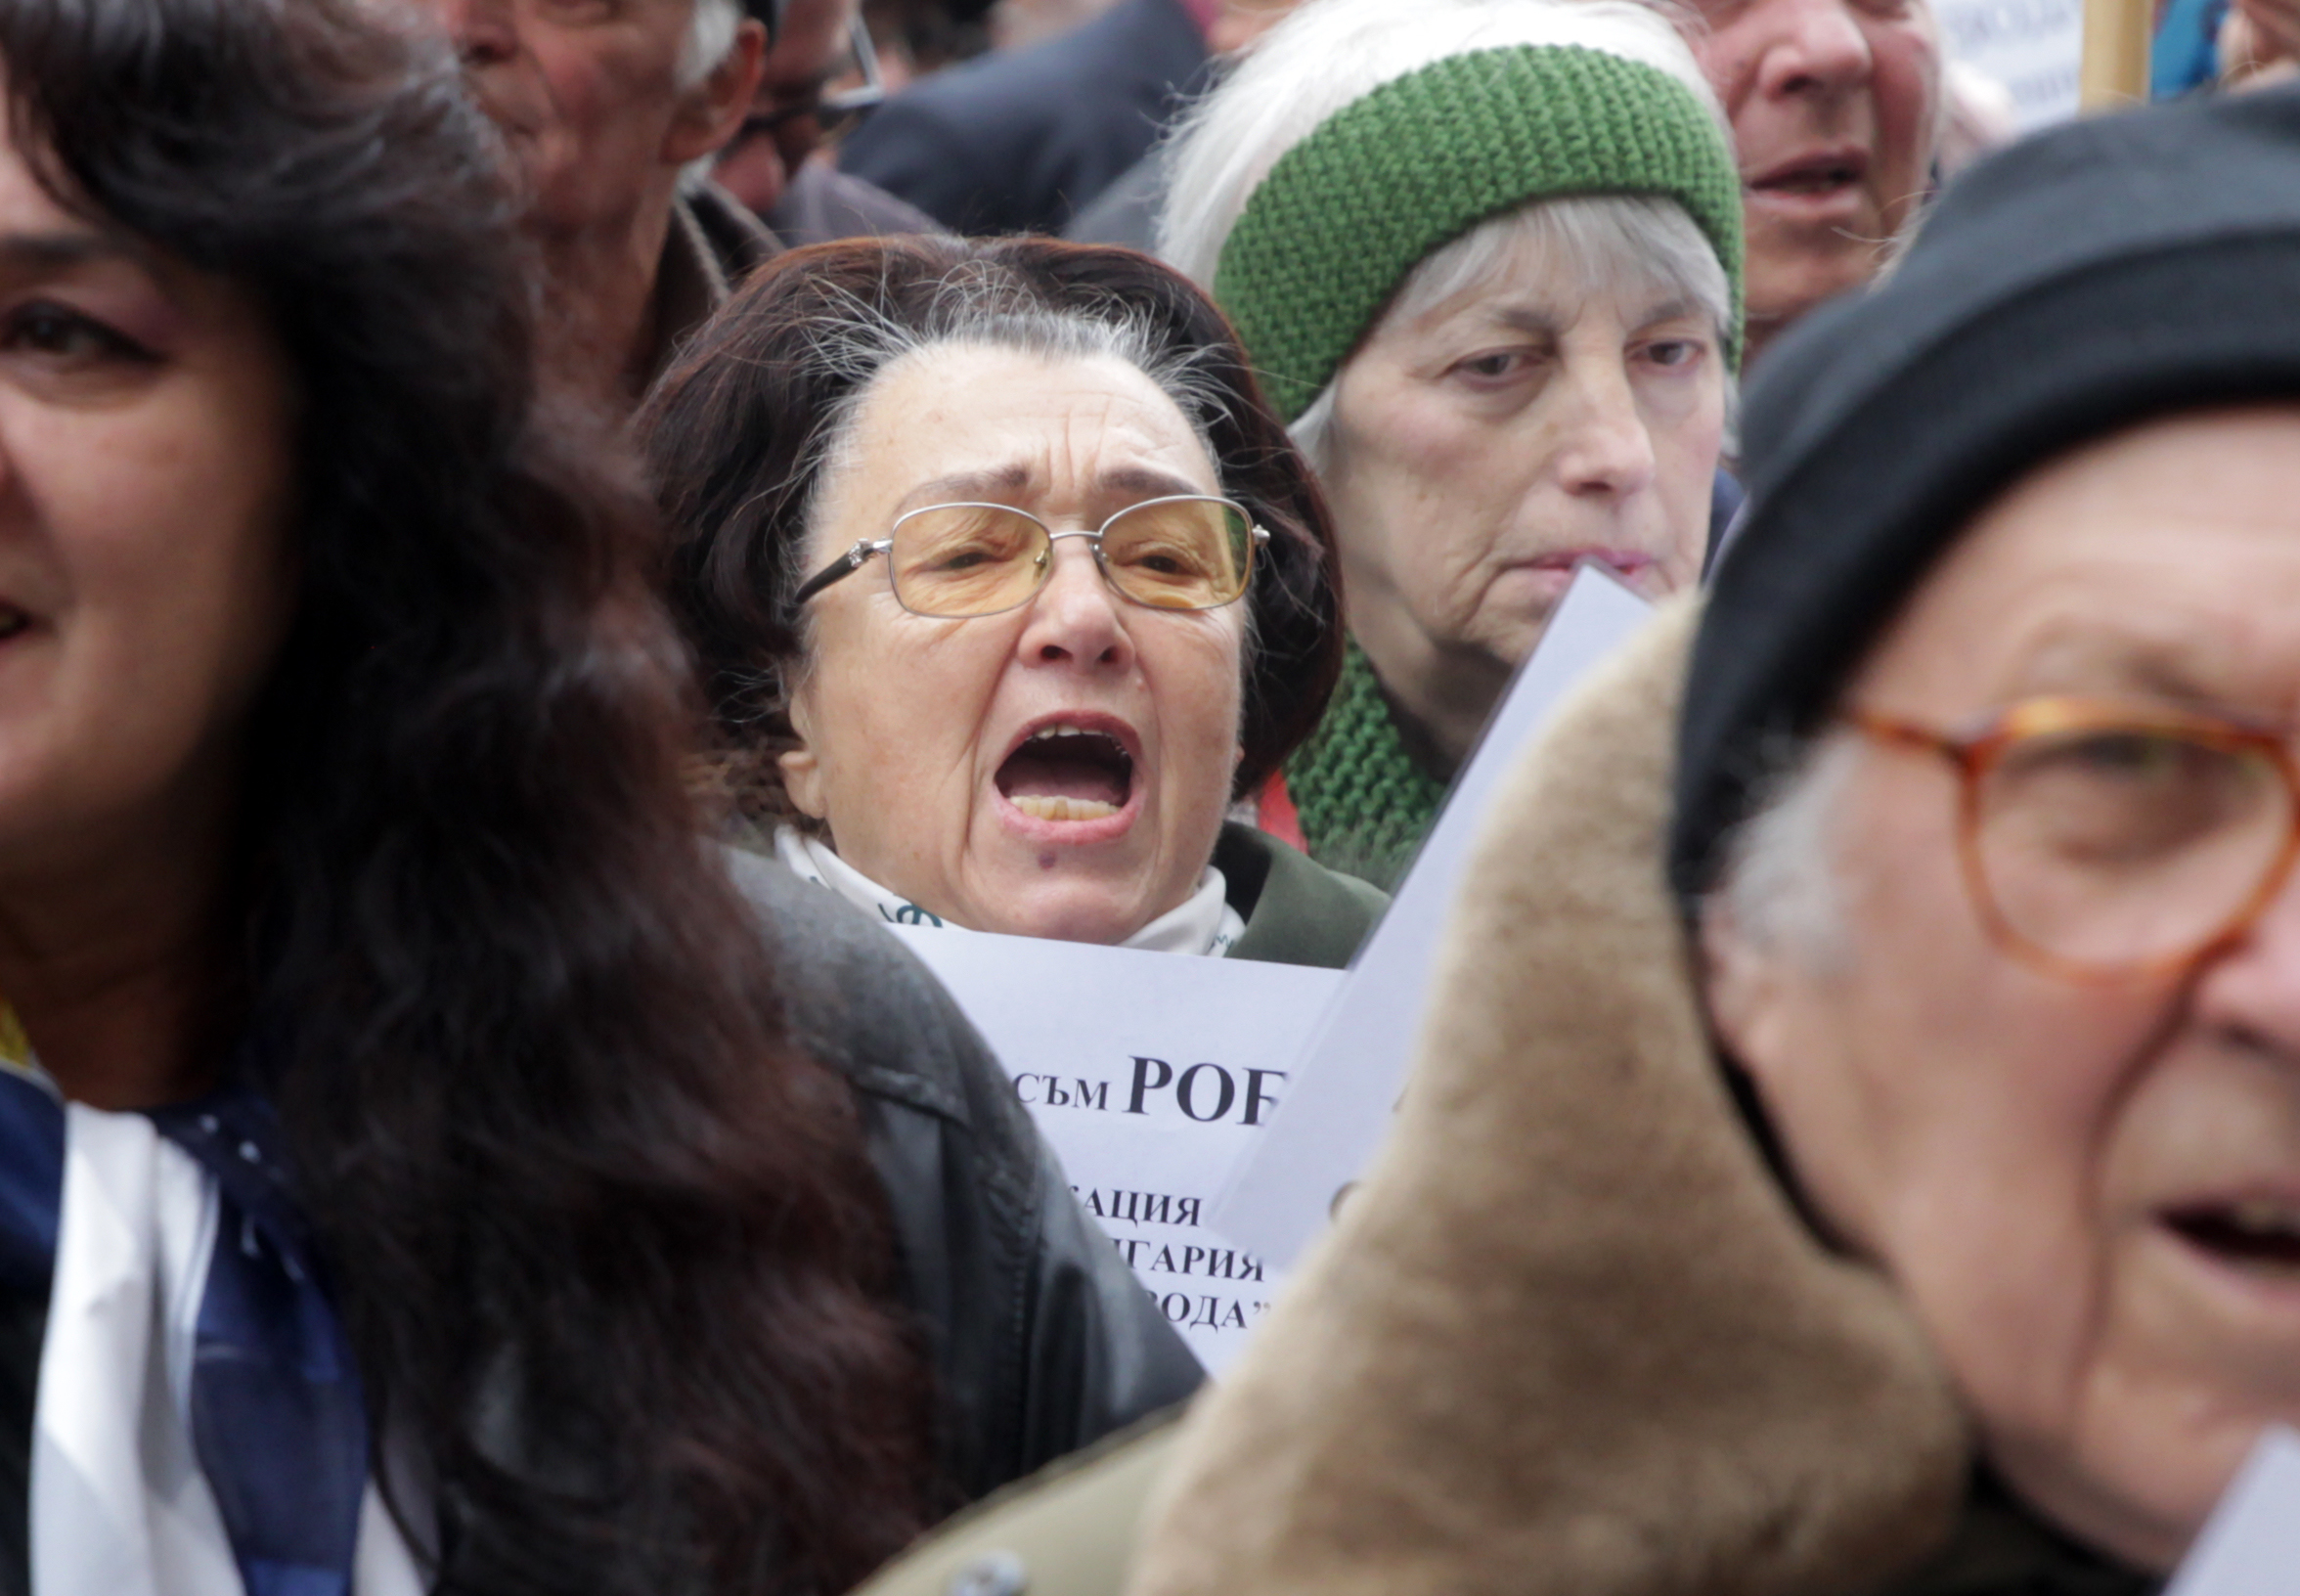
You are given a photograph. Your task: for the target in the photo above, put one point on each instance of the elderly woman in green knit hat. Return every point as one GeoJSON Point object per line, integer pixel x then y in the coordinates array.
{"type": "Point", "coordinates": [1486, 255]}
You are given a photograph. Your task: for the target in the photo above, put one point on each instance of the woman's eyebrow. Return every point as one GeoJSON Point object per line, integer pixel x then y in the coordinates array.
{"type": "Point", "coordinates": [1540, 321]}
{"type": "Point", "coordinates": [32, 252]}
{"type": "Point", "coordinates": [1673, 309]}
{"type": "Point", "coordinates": [1147, 481]}
{"type": "Point", "coordinates": [959, 487]}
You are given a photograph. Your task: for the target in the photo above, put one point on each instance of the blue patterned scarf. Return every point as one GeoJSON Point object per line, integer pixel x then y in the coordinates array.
{"type": "Point", "coordinates": [276, 1418]}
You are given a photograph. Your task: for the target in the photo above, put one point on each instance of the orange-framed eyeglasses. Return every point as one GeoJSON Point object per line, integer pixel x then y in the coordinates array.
{"type": "Point", "coordinates": [2106, 840]}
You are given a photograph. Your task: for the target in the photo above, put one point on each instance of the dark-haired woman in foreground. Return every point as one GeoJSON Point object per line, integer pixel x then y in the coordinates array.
{"type": "Point", "coordinates": [415, 1167]}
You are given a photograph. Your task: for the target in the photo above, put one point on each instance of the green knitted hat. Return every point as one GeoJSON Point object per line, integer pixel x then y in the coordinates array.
{"type": "Point", "coordinates": [1404, 170]}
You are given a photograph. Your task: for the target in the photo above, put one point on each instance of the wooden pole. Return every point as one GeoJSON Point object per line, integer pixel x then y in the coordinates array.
{"type": "Point", "coordinates": [2115, 67]}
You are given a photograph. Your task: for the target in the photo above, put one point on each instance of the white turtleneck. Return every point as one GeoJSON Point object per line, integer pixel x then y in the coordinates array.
{"type": "Point", "coordinates": [1204, 923]}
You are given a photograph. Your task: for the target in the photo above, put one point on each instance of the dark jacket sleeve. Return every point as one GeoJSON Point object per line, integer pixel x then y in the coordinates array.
{"type": "Point", "coordinates": [1017, 141]}
{"type": "Point", "coordinates": [820, 203]}
{"type": "Point", "coordinates": [932, 155]}
{"type": "Point", "coordinates": [1040, 1336]}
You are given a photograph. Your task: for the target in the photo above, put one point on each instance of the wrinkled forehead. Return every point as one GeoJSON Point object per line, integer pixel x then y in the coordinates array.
{"type": "Point", "coordinates": [2162, 561]}
{"type": "Point", "coordinates": [976, 421]}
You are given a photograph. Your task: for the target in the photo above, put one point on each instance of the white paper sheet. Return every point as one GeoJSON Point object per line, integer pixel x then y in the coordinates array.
{"type": "Point", "coordinates": [2032, 47]}
{"type": "Point", "coordinates": [1150, 1073]}
{"type": "Point", "coordinates": [2251, 1545]}
{"type": "Point", "coordinates": [1354, 1064]}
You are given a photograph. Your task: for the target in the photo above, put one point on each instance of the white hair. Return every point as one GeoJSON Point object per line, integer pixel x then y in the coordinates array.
{"type": "Point", "coordinates": [710, 40]}
{"type": "Point", "coordinates": [1779, 887]}
{"type": "Point", "coordinates": [1333, 52]}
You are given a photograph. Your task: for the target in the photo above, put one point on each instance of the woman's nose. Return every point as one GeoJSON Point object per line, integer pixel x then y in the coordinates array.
{"type": "Point", "coordinates": [1075, 616]}
{"type": "Point", "coordinates": [1607, 448]}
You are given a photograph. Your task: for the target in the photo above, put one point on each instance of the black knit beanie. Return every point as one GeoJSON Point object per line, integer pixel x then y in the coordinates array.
{"type": "Point", "coordinates": [2086, 279]}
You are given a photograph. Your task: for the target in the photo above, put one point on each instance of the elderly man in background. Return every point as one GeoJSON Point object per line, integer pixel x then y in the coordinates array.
{"type": "Point", "coordinates": [1835, 107]}
{"type": "Point", "coordinates": [605, 109]}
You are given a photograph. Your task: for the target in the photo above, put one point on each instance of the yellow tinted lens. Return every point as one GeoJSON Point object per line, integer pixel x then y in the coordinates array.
{"type": "Point", "coordinates": [967, 560]}
{"type": "Point", "coordinates": [2124, 844]}
{"type": "Point", "coordinates": [1179, 554]}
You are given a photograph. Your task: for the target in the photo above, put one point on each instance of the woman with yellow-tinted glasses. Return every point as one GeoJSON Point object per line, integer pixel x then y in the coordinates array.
{"type": "Point", "coordinates": [1006, 584]}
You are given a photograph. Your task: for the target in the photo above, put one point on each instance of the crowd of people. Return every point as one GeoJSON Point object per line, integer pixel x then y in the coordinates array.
{"type": "Point", "coordinates": [531, 530]}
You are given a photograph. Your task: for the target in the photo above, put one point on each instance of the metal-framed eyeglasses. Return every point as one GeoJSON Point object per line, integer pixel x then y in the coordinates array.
{"type": "Point", "coordinates": [830, 109]}
{"type": "Point", "coordinates": [949, 562]}
{"type": "Point", "coordinates": [2104, 840]}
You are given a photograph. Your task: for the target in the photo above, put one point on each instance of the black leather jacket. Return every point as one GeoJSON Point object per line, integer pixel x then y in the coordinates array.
{"type": "Point", "coordinates": [1041, 1339]}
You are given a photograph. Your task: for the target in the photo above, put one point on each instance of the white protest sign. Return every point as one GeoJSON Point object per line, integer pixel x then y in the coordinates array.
{"type": "Point", "coordinates": [1150, 1073]}
{"type": "Point", "coordinates": [1353, 1067]}
{"type": "Point", "coordinates": [2251, 1545]}
{"type": "Point", "coordinates": [2032, 47]}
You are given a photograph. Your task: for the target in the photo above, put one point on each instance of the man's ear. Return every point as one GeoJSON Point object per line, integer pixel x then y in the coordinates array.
{"type": "Point", "coordinates": [713, 110]}
{"type": "Point", "coordinates": [800, 766]}
{"type": "Point", "coordinates": [1744, 982]}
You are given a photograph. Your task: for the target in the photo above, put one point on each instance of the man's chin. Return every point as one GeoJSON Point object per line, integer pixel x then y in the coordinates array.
{"type": "Point", "coordinates": [1798, 279]}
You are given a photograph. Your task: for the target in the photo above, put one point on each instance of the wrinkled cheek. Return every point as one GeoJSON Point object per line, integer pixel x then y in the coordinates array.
{"type": "Point", "coordinates": [1201, 716]}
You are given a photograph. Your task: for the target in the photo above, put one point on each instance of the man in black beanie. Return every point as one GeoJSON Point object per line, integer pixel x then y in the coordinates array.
{"type": "Point", "coordinates": [1987, 803]}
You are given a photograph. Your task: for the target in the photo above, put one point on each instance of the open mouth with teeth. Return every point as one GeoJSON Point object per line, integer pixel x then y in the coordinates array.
{"type": "Point", "coordinates": [1068, 772]}
{"type": "Point", "coordinates": [2252, 1233]}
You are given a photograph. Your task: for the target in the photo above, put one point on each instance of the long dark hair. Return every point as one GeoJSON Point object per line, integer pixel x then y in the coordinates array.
{"type": "Point", "coordinates": [605, 1238]}
{"type": "Point", "coordinates": [738, 428]}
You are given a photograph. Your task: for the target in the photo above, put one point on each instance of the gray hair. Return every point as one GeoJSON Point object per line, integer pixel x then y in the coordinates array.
{"type": "Point", "coordinates": [1779, 887]}
{"type": "Point", "coordinates": [1333, 52]}
{"type": "Point", "coordinates": [710, 40]}
{"type": "Point", "coordinates": [1598, 242]}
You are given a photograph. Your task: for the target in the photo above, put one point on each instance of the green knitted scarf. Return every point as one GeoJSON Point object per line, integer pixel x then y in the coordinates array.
{"type": "Point", "coordinates": [1404, 170]}
{"type": "Point", "coordinates": [1363, 803]}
